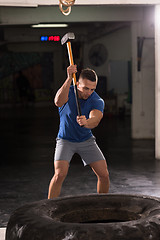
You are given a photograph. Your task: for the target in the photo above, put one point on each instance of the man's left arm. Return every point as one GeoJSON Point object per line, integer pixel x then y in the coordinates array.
{"type": "Point", "coordinates": [94, 119]}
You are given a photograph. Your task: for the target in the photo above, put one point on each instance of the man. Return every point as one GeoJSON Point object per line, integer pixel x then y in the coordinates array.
{"type": "Point", "coordinates": [75, 134]}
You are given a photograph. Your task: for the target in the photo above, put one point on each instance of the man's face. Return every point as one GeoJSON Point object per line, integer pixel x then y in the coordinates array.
{"type": "Point", "coordinates": [85, 88]}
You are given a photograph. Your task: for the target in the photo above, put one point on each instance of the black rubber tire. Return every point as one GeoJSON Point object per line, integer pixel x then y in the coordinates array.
{"type": "Point", "coordinates": [88, 217]}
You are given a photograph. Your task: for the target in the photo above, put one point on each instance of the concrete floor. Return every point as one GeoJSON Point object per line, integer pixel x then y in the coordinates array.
{"type": "Point", "coordinates": [27, 143]}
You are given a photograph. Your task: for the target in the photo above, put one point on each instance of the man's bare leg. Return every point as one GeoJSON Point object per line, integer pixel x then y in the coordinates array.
{"type": "Point", "coordinates": [101, 171]}
{"type": "Point", "coordinates": [61, 170]}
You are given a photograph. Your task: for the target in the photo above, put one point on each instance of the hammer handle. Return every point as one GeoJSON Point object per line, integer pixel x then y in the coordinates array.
{"type": "Point", "coordinates": [74, 78]}
{"type": "Point", "coordinates": [71, 60]}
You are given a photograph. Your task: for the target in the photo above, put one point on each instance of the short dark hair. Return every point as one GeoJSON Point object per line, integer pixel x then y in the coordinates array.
{"type": "Point", "coordinates": [89, 74]}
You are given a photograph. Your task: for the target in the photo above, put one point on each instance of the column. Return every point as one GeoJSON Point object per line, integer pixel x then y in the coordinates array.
{"type": "Point", "coordinates": [157, 83]}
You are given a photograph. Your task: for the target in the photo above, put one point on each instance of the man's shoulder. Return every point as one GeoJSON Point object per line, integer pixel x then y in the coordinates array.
{"type": "Point", "coordinates": [97, 102]}
{"type": "Point", "coordinates": [96, 97]}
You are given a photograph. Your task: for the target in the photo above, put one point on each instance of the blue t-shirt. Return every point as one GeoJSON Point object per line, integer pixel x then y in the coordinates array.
{"type": "Point", "coordinates": [69, 129]}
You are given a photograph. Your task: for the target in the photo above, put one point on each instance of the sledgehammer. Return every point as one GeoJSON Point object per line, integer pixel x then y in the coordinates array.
{"type": "Point", "coordinates": [67, 39]}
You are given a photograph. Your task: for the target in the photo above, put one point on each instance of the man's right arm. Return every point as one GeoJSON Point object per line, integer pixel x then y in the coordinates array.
{"type": "Point", "coordinates": [61, 96]}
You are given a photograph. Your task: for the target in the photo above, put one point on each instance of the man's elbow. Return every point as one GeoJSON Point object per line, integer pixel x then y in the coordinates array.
{"type": "Point", "coordinates": [96, 124]}
{"type": "Point", "coordinates": [58, 102]}
{"type": "Point", "coordinates": [98, 121]}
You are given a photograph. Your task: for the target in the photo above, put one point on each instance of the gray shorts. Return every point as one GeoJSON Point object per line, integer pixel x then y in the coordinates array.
{"type": "Point", "coordinates": [88, 150]}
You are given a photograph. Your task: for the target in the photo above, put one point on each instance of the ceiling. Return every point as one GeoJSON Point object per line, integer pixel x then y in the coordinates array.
{"type": "Point", "coordinates": [35, 3]}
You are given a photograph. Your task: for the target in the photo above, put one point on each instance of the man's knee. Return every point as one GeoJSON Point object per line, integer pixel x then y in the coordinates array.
{"type": "Point", "coordinates": [60, 176]}
{"type": "Point", "coordinates": [104, 177]}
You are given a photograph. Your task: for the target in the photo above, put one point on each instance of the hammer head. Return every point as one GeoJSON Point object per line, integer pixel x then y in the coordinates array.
{"type": "Point", "coordinates": [67, 37]}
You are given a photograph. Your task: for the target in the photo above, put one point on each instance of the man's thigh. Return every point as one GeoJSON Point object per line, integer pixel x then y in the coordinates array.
{"type": "Point", "coordinates": [90, 152]}
{"type": "Point", "coordinates": [61, 167]}
{"type": "Point", "coordinates": [100, 168]}
{"type": "Point", "coordinates": [64, 150]}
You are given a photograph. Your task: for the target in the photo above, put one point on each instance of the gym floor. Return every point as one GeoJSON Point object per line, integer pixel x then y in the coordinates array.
{"type": "Point", "coordinates": [26, 166]}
